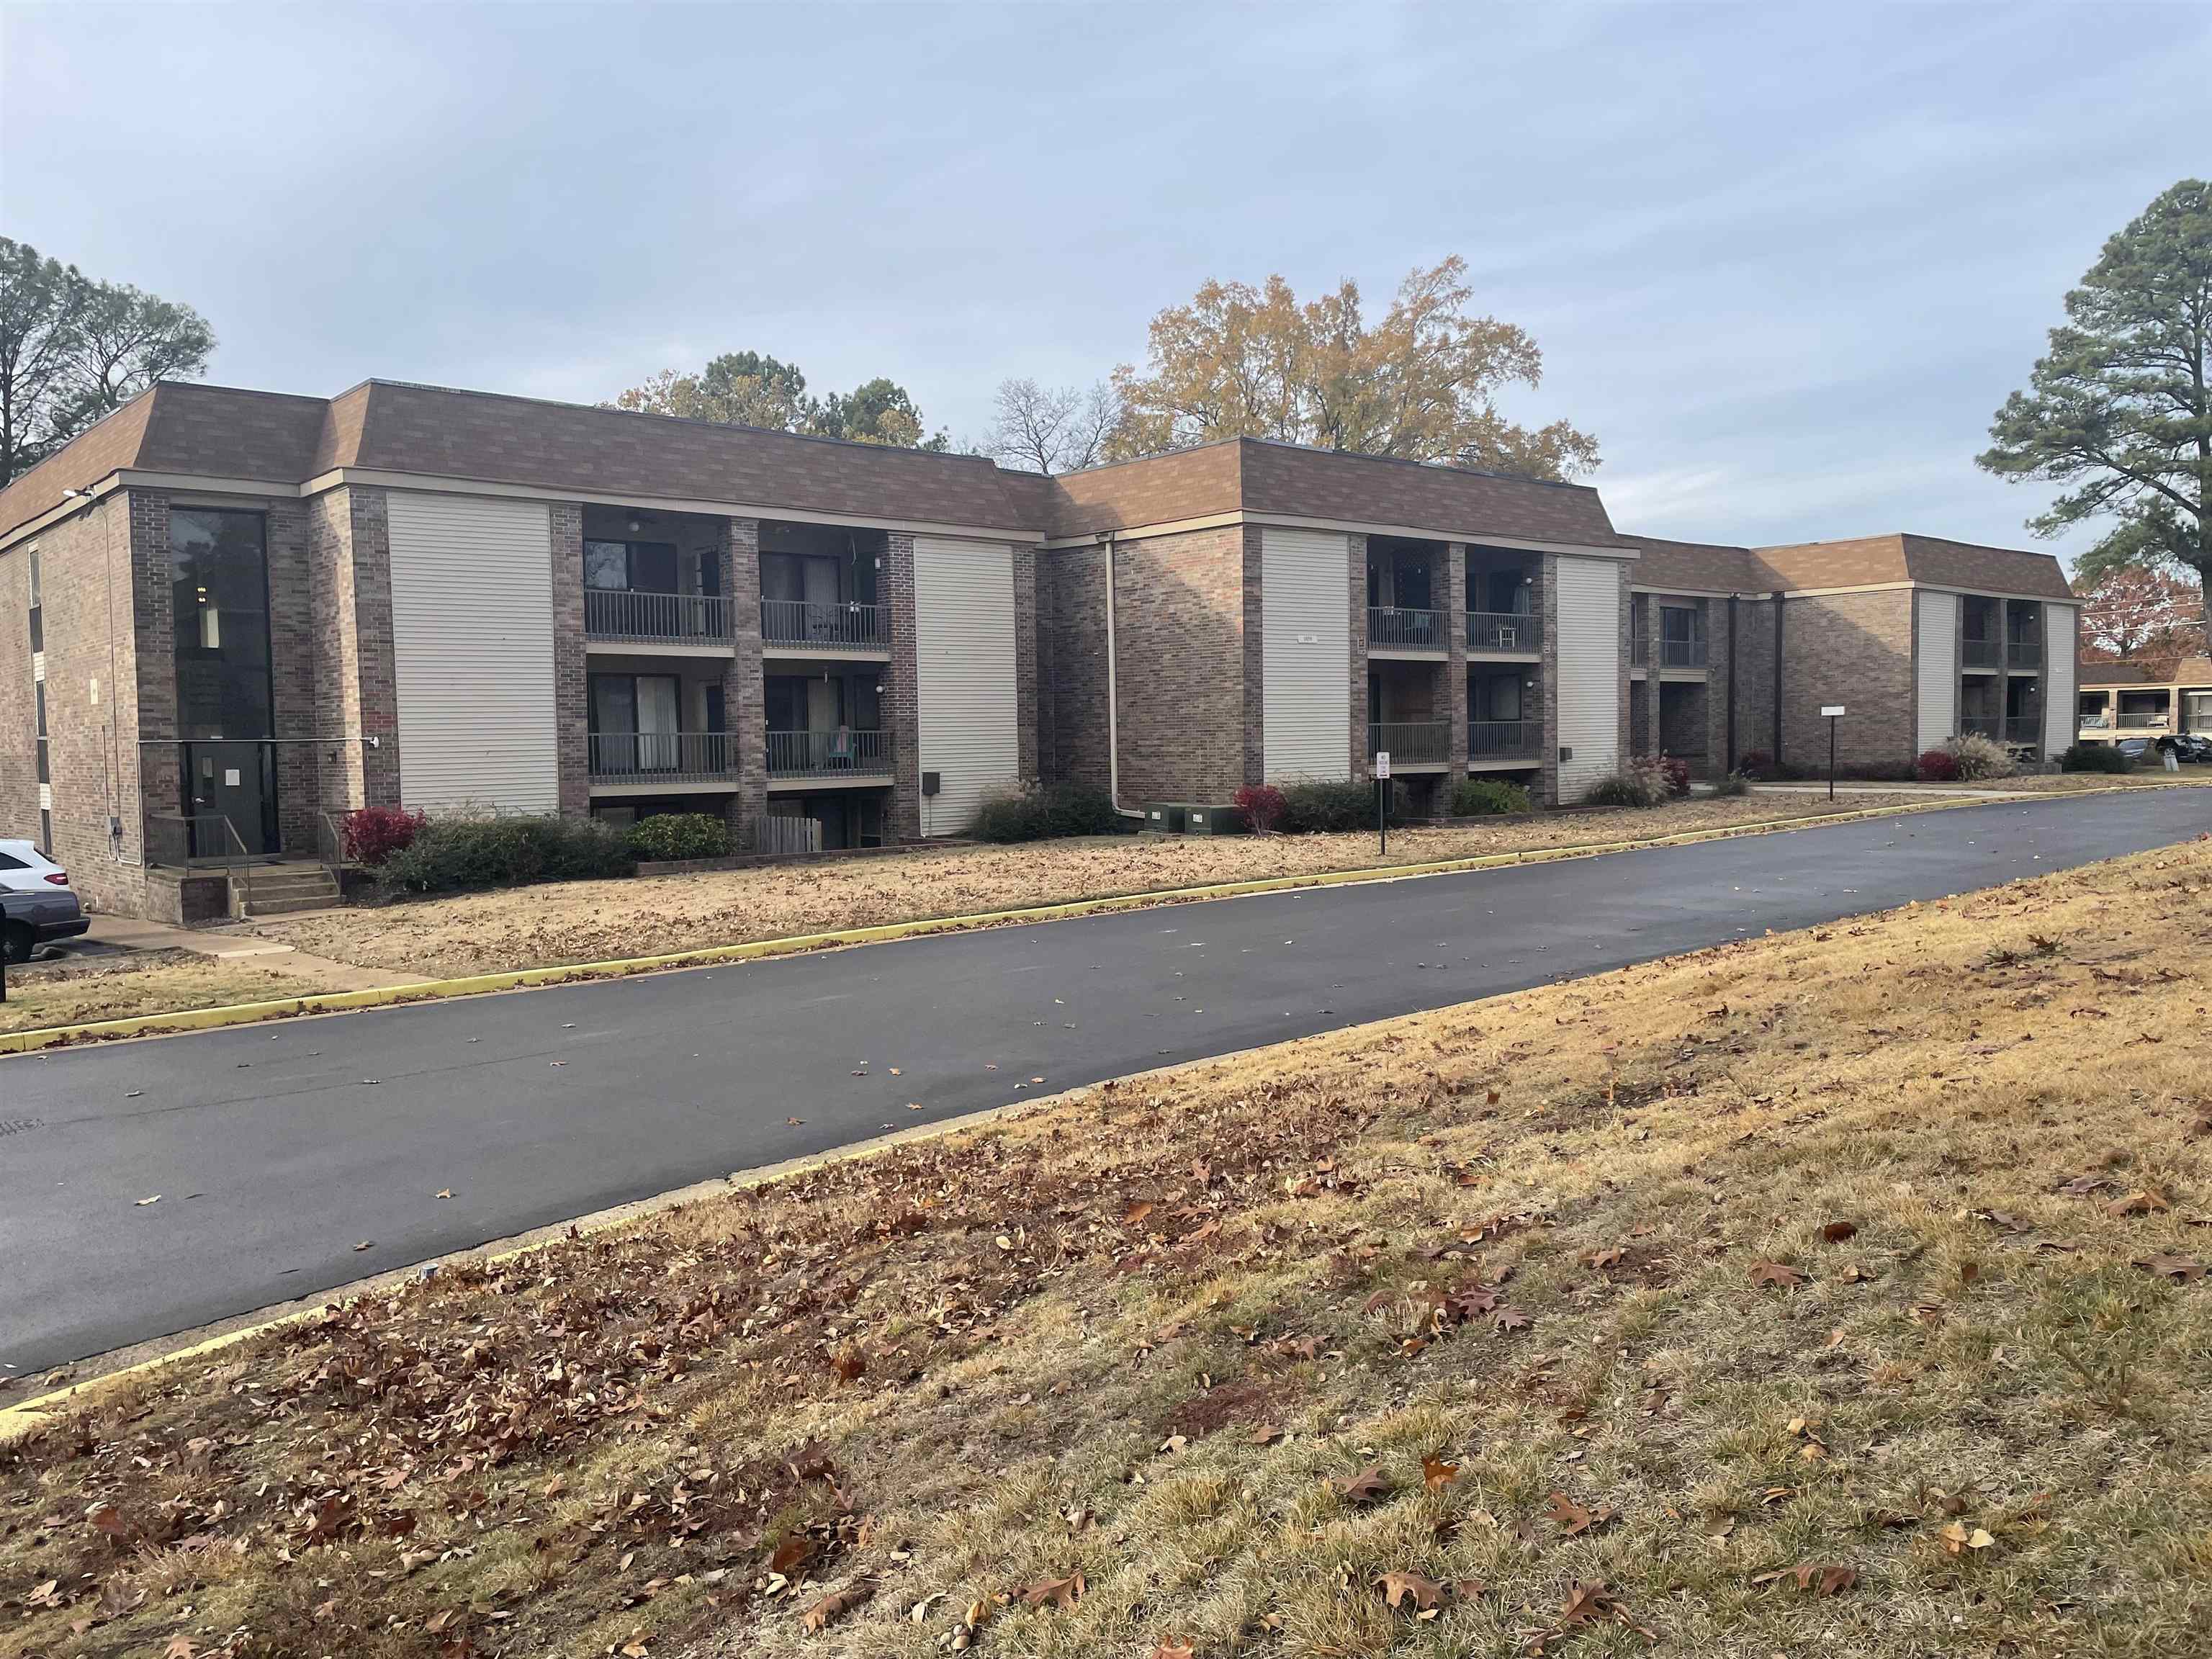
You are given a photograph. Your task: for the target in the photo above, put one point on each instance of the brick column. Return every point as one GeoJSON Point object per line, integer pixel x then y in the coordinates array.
{"type": "Point", "coordinates": [571, 690]}
{"type": "Point", "coordinates": [1363, 769]}
{"type": "Point", "coordinates": [1255, 662]}
{"type": "Point", "coordinates": [745, 691]}
{"type": "Point", "coordinates": [1025, 659]}
{"type": "Point", "coordinates": [368, 517]}
{"type": "Point", "coordinates": [146, 711]}
{"type": "Point", "coordinates": [1648, 740]}
{"type": "Point", "coordinates": [1541, 603]}
{"type": "Point", "coordinates": [901, 699]}
{"type": "Point", "coordinates": [1621, 668]}
{"type": "Point", "coordinates": [292, 677]}
{"type": "Point", "coordinates": [1718, 690]}
{"type": "Point", "coordinates": [1455, 645]}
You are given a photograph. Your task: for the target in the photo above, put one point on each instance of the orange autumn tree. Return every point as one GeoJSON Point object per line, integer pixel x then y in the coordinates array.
{"type": "Point", "coordinates": [1420, 383]}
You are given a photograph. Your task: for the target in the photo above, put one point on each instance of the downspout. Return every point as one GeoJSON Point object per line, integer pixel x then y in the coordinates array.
{"type": "Point", "coordinates": [1731, 684]}
{"type": "Point", "coordinates": [1112, 699]}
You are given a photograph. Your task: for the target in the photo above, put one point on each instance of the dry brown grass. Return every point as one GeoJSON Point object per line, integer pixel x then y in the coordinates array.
{"type": "Point", "coordinates": [959, 1370]}
{"type": "Point", "coordinates": [600, 921]}
{"type": "Point", "coordinates": [2065, 783]}
{"type": "Point", "coordinates": [71, 993]}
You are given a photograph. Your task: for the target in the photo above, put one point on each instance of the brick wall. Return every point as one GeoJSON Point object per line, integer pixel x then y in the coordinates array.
{"type": "Point", "coordinates": [1362, 764]}
{"type": "Point", "coordinates": [1854, 649]}
{"type": "Point", "coordinates": [1179, 610]}
{"type": "Point", "coordinates": [1025, 658]}
{"type": "Point", "coordinates": [19, 720]}
{"type": "Point", "coordinates": [1072, 629]}
{"type": "Point", "coordinates": [745, 692]}
{"type": "Point", "coordinates": [146, 729]}
{"type": "Point", "coordinates": [1255, 681]}
{"type": "Point", "coordinates": [354, 688]}
{"type": "Point", "coordinates": [901, 702]}
{"type": "Point", "coordinates": [1455, 668]}
{"type": "Point", "coordinates": [572, 711]}
{"type": "Point", "coordinates": [292, 642]}
{"type": "Point", "coordinates": [1541, 604]}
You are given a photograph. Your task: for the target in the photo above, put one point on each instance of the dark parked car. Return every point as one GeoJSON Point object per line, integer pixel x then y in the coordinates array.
{"type": "Point", "coordinates": [37, 903]}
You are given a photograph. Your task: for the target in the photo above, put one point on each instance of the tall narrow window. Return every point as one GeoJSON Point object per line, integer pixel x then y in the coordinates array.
{"type": "Point", "coordinates": [226, 707]}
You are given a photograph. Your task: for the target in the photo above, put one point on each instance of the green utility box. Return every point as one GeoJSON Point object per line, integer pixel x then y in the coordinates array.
{"type": "Point", "coordinates": [1194, 818]}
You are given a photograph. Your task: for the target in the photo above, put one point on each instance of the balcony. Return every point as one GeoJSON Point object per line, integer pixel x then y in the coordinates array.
{"type": "Point", "coordinates": [631, 616]}
{"type": "Point", "coordinates": [841, 755]}
{"type": "Point", "coordinates": [1976, 651]}
{"type": "Point", "coordinates": [1501, 740]}
{"type": "Point", "coordinates": [1682, 654]}
{"type": "Point", "coordinates": [2024, 731]}
{"type": "Point", "coordinates": [1411, 743]}
{"type": "Point", "coordinates": [840, 625]}
{"type": "Point", "coordinates": [1502, 631]}
{"type": "Point", "coordinates": [2024, 653]}
{"type": "Point", "coordinates": [662, 759]}
{"type": "Point", "coordinates": [1390, 629]}
{"type": "Point", "coordinates": [1977, 725]}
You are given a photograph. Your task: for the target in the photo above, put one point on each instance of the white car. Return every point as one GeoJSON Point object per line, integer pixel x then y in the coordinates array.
{"type": "Point", "coordinates": [36, 901]}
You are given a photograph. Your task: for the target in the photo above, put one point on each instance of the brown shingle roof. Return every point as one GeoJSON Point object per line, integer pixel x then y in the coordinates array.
{"type": "Point", "coordinates": [93, 453]}
{"type": "Point", "coordinates": [2147, 671]}
{"type": "Point", "coordinates": [1929, 559]}
{"type": "Point", "coordinates": [1699, 567]}
{"type": "Point", "coordinates": [1184, 484]}
{"type": "Point", "coordinates": [1447, 501]}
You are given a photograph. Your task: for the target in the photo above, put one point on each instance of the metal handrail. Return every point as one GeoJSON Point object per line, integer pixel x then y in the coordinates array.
{"type": "Point", "coordinates": [845, 623]}
{"type": "Point", "coordinates": [824, 754]}
{"type": "Point", "coordinates": [1976, 651]}
{"type": "Point", "coordinates": [1682, 654]}
{"type": "Point", "coordinates": [619, 613]}
{"type": "Point", "coordinates": [1393, 627]}
{"type": "Point", "coordinates": [331, 842]}
{"type": "Point", "coordinates": [1977, 725]}
{"type": "Point", "coordinates": [661, 756]}
{"type": "Point", "coordinates": [181, 844]}
{"type": "Point", "coordinates": [2026, 654]}
{"type": "Point", "coordinates": [2023, 728]}
{"type": "Point", "coordinates": [1504, 739]}
{"type": "Point", "coordinates": [1415, 743]}
{"type": "Point", "coordinates": [1500, 630]}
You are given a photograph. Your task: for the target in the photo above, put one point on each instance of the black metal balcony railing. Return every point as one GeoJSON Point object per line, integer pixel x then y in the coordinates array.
{"type": "Point", "coordinates": [1505, 740]}
{"type": "Point", "coordinates": [2024, 653]}
{"type": "Point", "coordinates": [841, 625]}
{"type": "Point", "coordinates": [682, 618]}
{"type": "Point", "coordinates": [1500, 630]}
{"type": "Point", "coordinates": [662, 756]}
{"type": "Point", "coordinates": [1975, 652]}
{"type": "Point", "coordinates": [1390, 629]}
{"type": "Point", "coordinates": [1411, 743]}
{"type": "Point", "coordinates": [1977, 725]}
{"type": "Point", "coordinates": [840, 753]}
{"type": "Point", "coordinates": [2024, 729]}
{"type": "Point", "coordinates": [1682, 654]}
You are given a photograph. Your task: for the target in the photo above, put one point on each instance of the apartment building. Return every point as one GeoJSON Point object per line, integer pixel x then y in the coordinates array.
{"type": "Point", "coordinates": [2144, 699]}
{"type": "Point", "coordinates": [228, 618]}
{"type": "Point", "coordinates": [1735, 650]}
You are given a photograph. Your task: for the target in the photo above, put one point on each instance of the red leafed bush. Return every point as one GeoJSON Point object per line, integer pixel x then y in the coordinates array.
{"type": "Point", "coordinates": [1678, 775]}
{"type": "Point", "coordinates": [373, 834]}
{"type": "Point", "coordinates": [1261, 804]}
{"type": "Point", "coordinates": [1755, 763]}
{"type": "Point", "coordinates": [1936, 766]}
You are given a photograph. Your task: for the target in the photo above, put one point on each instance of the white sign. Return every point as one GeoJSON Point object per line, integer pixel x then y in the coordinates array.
{"type": "Point", "coordinates": [1383, 763]}
{"type": "Point", "coordinates": [1832, 710]}
{"type": "Point", "coordinates": [230, 777]}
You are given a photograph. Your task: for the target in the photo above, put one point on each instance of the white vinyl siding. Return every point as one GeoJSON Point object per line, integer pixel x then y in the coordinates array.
{"type": "Point", "coordinates": [472, 653]}
{"type": "Point", "coordinates": [1588, 670]}
{"type": "Point", "coordinates": [1305, 653]}
{"type": "Point", "coordinates": [1937, 647]}
{"type": "Point", "coordinates": [964, 698]}
{"type": "Point", "coordinates": [2058, 677]}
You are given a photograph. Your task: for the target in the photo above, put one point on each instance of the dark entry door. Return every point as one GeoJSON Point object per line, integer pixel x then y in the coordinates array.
{"type": "Point", "coordinates": [234, 780]}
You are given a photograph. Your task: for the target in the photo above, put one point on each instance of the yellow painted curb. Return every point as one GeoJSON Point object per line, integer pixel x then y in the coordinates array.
{"type": "Point", "coordinates": [439, 990]}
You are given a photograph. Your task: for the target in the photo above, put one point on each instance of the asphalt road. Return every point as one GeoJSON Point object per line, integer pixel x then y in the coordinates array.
{"type": "Point", "coordinates": [277, 1149]}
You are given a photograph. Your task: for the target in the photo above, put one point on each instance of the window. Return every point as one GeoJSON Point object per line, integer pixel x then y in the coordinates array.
{"type": "Point", "coordinates": [798, 577]}
{"type": "Point", "coordinates": [630, 566]}
{"type": "Point", "coordinates": [220, 573]}
{"type": "Point", "coordinates": [1681, 625]}
{"type": "Point", "coordinates": [635, 725]}
{"type": "Point", "coordinates": [8, 862]}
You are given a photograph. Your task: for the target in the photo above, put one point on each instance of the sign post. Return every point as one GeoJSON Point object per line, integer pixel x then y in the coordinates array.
{"type": "Point", "coordinates": [1382, 799]}
{"type": "Point", "coordinates": [1832, 713]}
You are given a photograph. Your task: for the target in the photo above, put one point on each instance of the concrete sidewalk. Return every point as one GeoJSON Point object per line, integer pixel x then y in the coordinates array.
{"type": "Point", "coordinates": [130, 934]}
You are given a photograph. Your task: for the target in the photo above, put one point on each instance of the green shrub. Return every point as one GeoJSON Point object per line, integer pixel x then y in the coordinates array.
{"type": "Point", "coordinates": [451, 856]}
{"type": "Point", "coordinates": [1980, 758]}
{"type": "Point", "coordinates": [1313, 809]}
{"type": "Point", "coordinates": [1029, 812]}
{"type": "Point", "coordinates": [1645, 781]}
{"type": "Point", "coordinates": [2094, 758]}
{"type": "Point", "coordinates": [1475, 798]}
{"type": "Point", "coordinates": [675, 835]}
{"type": "Point", "coordinates": [1734, 784]}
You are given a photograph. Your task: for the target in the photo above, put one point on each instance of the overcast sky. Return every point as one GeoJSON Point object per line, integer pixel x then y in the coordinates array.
{"type": "Point", "coordinates": [1784, 262]}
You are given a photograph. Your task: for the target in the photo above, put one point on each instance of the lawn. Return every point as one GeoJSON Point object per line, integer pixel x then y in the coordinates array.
{"type": "Point", "coordinates": [1838, 1291]}
{"type": "Point", "coordinates": [599, 920]}
{"type": "Point", "coordinates": [69, 992]}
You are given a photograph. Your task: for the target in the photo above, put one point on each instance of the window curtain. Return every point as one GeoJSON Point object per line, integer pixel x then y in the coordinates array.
{"type": "Point", "coordinates": [657, 722]}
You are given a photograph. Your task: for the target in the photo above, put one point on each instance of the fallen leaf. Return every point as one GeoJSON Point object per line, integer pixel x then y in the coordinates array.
{"type": "Point", "coordinates": [1057, 1592]}
{"type": "Point", "coordinates": [850, 1363]}
{"type": "Point", "coordinates": [1587, 1605]}
{"type": "Point", "coordinates": [838, 1603]}
{"type": "Point", "coordinates": [365, 1244]}
{"type": "Point", "coordinates": [1365, 1486]}
{"type": "Point", "coordinates": [2142, 1202]}
{"type": "Point", "coordinates": [1836, 1231]}
{"type": "Point", "coordinates": [444, 1192]}
{"type": "Point", "coordinates": [1436, 1474]}
{"type": "Point", "coordinates": [790, 1553]}
{"type": "Point", "coordinates": [1774, 1272]}
{"type": "Point", "coordinates": [1573, 1517]}
{"type": "Point", "coordinates": [2179, 1269]}
{"type": "Point", "coordinates": [1171, 1648]}
{"type": "Point", "coordinates": [1958, 1539]}
{"type": "Point", "coordinates": [1396, 1587]}
{"type": "Point", "coordinates": [143, 1202]}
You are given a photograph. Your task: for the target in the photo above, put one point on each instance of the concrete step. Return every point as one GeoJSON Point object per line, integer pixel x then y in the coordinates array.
{"type": "Point", "coordinates": [262, 905]}
{"type": "Point", "coordinates": [313, 881]}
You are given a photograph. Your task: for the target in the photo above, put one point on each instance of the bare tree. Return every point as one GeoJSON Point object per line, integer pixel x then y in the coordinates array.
{"type": "Point", "coordinates": [1051, 428]}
